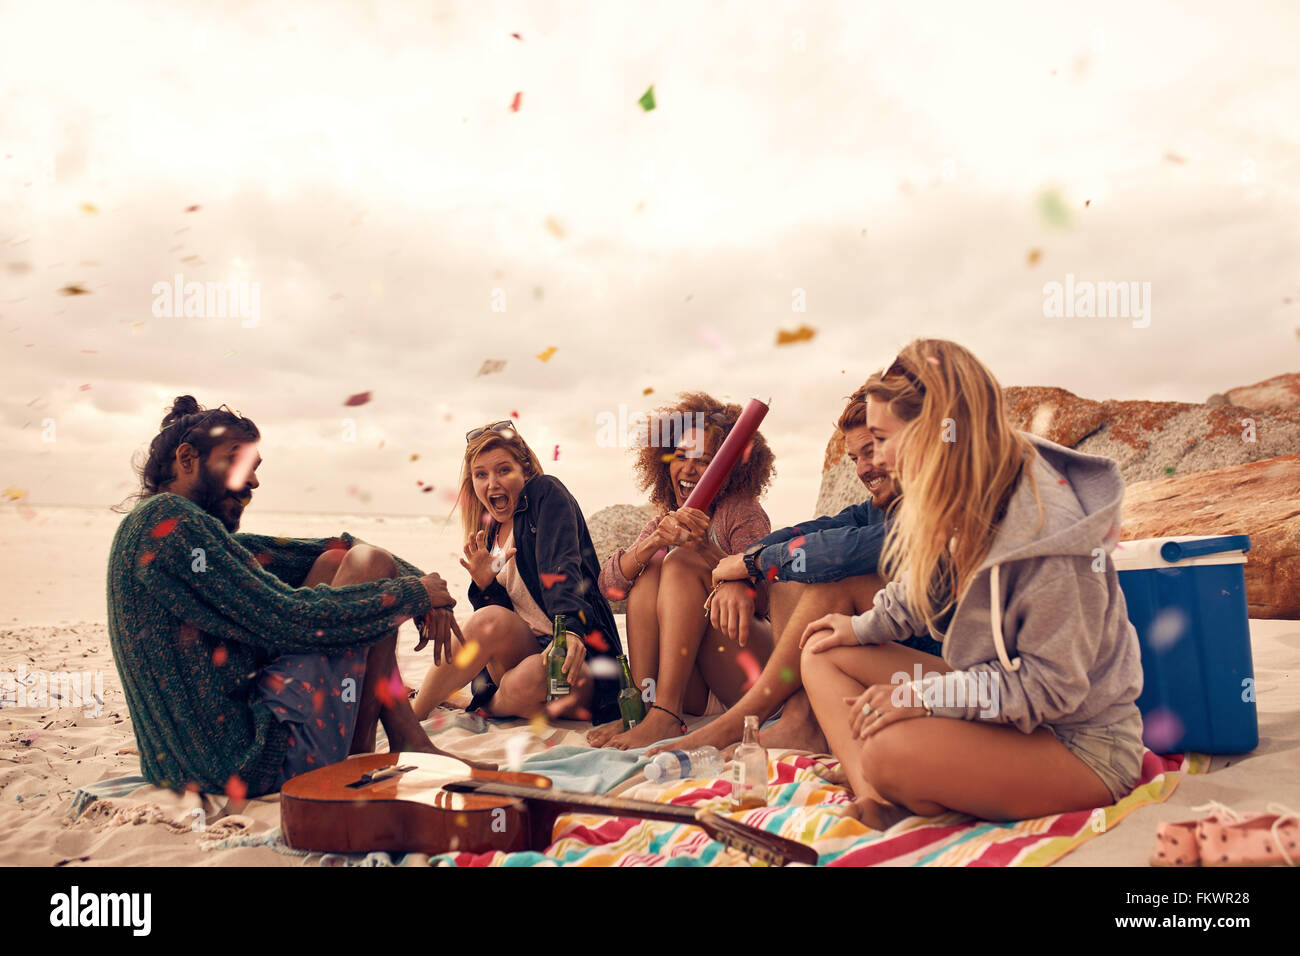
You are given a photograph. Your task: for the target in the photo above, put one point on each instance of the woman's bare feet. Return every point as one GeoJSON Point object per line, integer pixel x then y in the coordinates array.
{"type": "Point", "coordinates": [874, 814]}
{"type": "Point", "coordinates": [657, 726]}
{"type": "Point", "coordinates": [600, 736]}
{"type": "Point", "coordinates": [722, 732]}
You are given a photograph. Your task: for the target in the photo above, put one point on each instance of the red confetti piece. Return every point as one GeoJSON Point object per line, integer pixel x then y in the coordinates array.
{"type": "Point", "coordinates": [318, 701]}
{"type": "Point", "coordinates": [219, 656]}
{"type": "Point", "coordinates": [164, 528]}
{"type": "Point", "coordinates": [771, 574]}
{"type": "Point", "coordinates": [191, 208]}
{"type": "Point", "coordinates": [796, 544]}
{"type": "Point", "coordinates": [615, 594]}
{"type": "Point", "coordinates": [751, 592]}
{"type": "Point", "coordinates": [550, 580]}
{"type": "Point", "coordinates": [1061, 481]}
{"type": "Point", "coordinates": [360, 398]}
{"type": "Point", "coordinates": [147, 558]}
{"type": "Point", "coordinates": [236, 789]}
{"type": "Point", "coordinates": [427, 488]}
{"type": "Point", "coordinates": [750, 666]}
{"type": "Point", "coordinates": [396, 689]}
{"type": "Point", "coordinates": [514, 414]}
{"type": "Point", "coordinates": [555, 456]}
{"type": "Point", "coordinates": [517, 102]}
{"type": "Point", "coordinates": [517, 37]}
{"type": "Point", "coordinates": [84, 388]}
{"type": "Point", "coordinates": [420, 483]}
{"type": "Point", "coordinates": [275, 682]}
{"type": "Point", "coordinates": [597, 640]}
{"type": "Point", "coordinates": [749, 450]}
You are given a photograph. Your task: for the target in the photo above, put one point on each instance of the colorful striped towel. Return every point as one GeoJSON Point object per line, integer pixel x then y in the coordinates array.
{"type": "Point", "coordinates": [804, 807]}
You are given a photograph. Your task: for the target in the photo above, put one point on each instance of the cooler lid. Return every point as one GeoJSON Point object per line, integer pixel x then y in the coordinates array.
{"type": "Point", "coordinates": [1183, 551]}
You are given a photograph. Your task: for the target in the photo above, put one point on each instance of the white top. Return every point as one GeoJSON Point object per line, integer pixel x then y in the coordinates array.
{"type": "Point", "coordinates": [508, 576]}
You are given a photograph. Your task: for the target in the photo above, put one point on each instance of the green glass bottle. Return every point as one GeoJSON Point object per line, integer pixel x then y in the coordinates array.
{"type": "Point", "coordinates": [557, 684]}
{"type": "Point", "coordinates": [630, 704]}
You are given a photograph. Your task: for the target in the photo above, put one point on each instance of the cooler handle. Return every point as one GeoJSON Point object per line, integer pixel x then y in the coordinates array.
{"type": "Point", "coordinates": [1173, 551]}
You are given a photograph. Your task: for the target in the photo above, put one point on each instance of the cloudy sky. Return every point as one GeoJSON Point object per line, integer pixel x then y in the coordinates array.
{"type": "Point", "coordinates": [893, 169]}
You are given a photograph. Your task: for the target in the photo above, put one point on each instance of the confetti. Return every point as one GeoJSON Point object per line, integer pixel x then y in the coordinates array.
{"type": "Point", "coordinates": [90, 207]}
{"type": "Point", "coordinates": [13, 494]}
{"type": "Point", "coordinates": [795, 544]}
{"type": "Point", "coordinates": [514, 414]}
{"type": "Point", "coordinates": [490, 366]}
{"type": "Point", "coordinates": [604, 667]}
{"type": "Point", "coordinates": [318, 700]}
{"type": "Point", "coordinates": [550, 580]}
{"type": "Point", "coordinates": [427, 488]}
{"type": "Point", "coordinates": [236, 789]}
{"type": "Point", "coordinates": [146, 559]}
{"type": "Point", "coordinates": [242, 467]}
{"type": "Point", "coordinates": [517, 37]}
{"type": "Point", "coordinates": [1087, 203]}
{"type": "Point", "coordinates": [516, 744]}
{"type": "Point", "coordinates": [1174, 158]}
{"type": "Point", "coordinates": [465, 656]}
{"type": "Point", "coordinates": [1161, 730]}
{"type": "Point", "coordinates": [555, 455]}
{"type": "Point", "coordinates": [73, 289]}
{"type": "Point", "coordinates": [804, 333]}
{"type": "Point", "coordinates": [360, 398]}
{"type": "Point", "coordinates": [387, 599]}
{"type": "Point", "coordinates": [192, 208]}
{"type": "Point", "coordinates": [415, 458]}
{"type": "Point", "coordinates": [555, 227]}
{"type": "Point", "coordinates": [517, 102]}
{"type": "Point", "coordinates": [1053, 210]}
{"type": "Point", "coordinates": [647, 391]}
{"type": "Point", "coordinates": [750, 666]}
{"type": "Point", "coordinates": [615, 594]}
{"type": "Point", "coordinates": [545, 356]}
{"type": "Point", "coordinates": [1167, 628]}
{"type": "Point", "coordinates": [539, 725]}
{"type": "Point", "coordinates": [164, 528]}
{"type": "Point", "coordinates": [1169, 470]}
{"type": "Point", "coordinates": [787, 675]}
{"type": "Point", "coordinates": [647, 100]}
{"type": "Point", "coordinates": [749, 450]}
{"type": "Point", "coordinates": [1033, 256]}
{"type": "Point", "coordinates": [771, 574]}
{"type": "Point", "coordinates": [220, 655]}
{"type": "Point", "coordinates": [597, 640]}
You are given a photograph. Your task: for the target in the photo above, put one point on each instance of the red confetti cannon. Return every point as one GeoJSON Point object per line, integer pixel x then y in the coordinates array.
{"type": "Point", "coordinates": [728, 455]}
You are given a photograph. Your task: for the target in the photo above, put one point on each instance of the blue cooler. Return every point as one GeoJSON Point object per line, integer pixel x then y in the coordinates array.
{"type": "Point", "coordinates": [1186, 597]}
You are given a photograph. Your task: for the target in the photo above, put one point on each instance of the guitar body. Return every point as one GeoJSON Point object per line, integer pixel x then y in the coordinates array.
{"type": "Point", "coordinates": [408, 812]}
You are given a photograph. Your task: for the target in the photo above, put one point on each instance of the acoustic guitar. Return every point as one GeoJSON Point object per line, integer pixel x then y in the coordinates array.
{"type": "Point", "coordinates": [428, 803]}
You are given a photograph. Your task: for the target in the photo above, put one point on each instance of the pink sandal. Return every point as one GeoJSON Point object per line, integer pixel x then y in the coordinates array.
{"type": "Point", "coordinates": [1267, 839]}
{"type": "Point", "coordinates": [1177, 844]}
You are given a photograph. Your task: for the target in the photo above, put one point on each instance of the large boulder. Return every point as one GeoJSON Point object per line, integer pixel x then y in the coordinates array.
{"type": "Point", "coordinates": [617, 527]}
{"type": "Point", "coordinates": [1261, 499]}
{"type": "Point", "coordinates": [1279, 392]}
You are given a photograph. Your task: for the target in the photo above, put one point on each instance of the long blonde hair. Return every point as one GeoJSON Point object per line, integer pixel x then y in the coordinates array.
{"type": "Point", "coordinates": [959, 458]}
{"type": "Point", "coordinates": [471, 509]}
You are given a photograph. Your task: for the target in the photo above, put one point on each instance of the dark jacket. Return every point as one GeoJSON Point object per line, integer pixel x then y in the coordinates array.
{"type": "Point", "coordinates": [833, 547]}
{"type": "Point", "coordinates": [551, 537]}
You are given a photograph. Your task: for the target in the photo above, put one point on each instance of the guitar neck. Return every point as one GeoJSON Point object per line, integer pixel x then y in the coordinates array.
{"type": "Point", "coordinates": [572, 800]}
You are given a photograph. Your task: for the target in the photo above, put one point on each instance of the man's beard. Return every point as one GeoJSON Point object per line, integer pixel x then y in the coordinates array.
{"type": "Point", "coordinates": [212, 495]}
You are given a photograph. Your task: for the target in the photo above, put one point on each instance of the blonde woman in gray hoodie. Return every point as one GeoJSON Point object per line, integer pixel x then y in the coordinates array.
{"type": "Point", "coordinates": [1000, 550]}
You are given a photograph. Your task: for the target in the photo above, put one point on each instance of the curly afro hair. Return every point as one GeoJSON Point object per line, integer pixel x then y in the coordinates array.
{"type": "Point", "coordinates": [752, 474]}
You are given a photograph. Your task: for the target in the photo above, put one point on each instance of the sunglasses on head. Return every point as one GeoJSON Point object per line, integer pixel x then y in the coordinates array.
{"type": "Point", "coordinates": [500, 427]}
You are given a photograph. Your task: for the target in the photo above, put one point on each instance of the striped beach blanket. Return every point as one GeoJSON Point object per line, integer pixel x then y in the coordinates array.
{"type": "Point", "coordinates": [802, 806]}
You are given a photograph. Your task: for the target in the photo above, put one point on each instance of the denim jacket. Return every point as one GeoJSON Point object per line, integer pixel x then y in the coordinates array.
{"type": "Point", "coordinates": [833, 547]}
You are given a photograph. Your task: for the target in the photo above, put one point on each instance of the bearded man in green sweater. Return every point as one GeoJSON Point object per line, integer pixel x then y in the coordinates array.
{"type": "Point", "coordinates": [248, 659]}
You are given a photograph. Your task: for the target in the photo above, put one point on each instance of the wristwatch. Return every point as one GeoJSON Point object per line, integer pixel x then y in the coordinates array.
{"type": "Point", "coordinates": [751, 563]}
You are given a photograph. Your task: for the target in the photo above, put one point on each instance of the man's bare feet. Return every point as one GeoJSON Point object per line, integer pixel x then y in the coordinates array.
{"type": "Point", "coordinates": [874, 814]}
{"type": "Point", "coordinates": [794, 732]}
{"type": "Point", "coordinates": [656, 726]}
{"type": "Point", "coordinates": [721, 733]}
{"type": "Point", "coordinates": [600, 736]}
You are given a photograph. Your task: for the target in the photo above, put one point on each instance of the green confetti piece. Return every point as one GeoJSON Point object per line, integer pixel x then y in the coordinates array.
{"type": "Point", "coordinates": [647, 99]}
{"type": "Point", "coordinates": [787, 675]}
{"type": "Point", "coordinates": [1169, 470]}
{"type": "Point", "coordinates": [1053, 209]}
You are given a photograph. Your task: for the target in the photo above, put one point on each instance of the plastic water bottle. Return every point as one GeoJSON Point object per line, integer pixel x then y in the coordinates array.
{"type": "Point", "coordinates": [705, 763]}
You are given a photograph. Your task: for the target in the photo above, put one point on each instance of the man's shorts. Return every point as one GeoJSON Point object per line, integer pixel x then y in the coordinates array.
{"type": "Point", "coordinates": [318, 696]}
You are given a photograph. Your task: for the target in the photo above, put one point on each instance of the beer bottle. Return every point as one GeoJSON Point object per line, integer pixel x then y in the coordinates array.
{"type": "Point", "coordinates": [749, 779]}
{"type": "Point", "coordinates": [630, 704]}
{"type": "Point", "coordinates": [557, 684]}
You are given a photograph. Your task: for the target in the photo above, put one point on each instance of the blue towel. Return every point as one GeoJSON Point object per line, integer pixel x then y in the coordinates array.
{"type": "Point", "coordinates": [584, 769]}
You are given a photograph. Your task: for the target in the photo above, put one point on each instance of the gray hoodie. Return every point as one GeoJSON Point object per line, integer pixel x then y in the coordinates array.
{"type": "Point", "coordinates": [1058, 647]}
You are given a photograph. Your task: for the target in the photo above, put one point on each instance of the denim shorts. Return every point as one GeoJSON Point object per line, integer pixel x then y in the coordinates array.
{"type": "Point", "coordinates": [1113, 752]}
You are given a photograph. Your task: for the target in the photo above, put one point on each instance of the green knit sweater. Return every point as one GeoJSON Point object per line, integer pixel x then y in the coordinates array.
{"type": "Point", "coordinates": [194, 611]}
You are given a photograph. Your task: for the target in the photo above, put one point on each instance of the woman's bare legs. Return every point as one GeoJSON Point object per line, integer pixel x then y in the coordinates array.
{"type": "Point", "coordinates": [927, 765]}
{"type": "Point", "coordinates": [688, 650]}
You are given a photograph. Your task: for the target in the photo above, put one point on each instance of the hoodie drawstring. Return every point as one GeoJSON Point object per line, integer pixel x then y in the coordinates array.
{"type": "Point", "coordinates": [995, 603]}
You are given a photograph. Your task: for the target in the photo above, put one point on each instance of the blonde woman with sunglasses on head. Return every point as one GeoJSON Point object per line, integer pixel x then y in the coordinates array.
{"type": "Point", "coordinates": [1000, 550]}
{"type": "Point", "coordinates": [530, 557]}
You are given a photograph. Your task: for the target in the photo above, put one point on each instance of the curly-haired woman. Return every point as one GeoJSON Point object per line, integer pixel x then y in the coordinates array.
{"type": "Point", "coordinates": [666, 574]}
